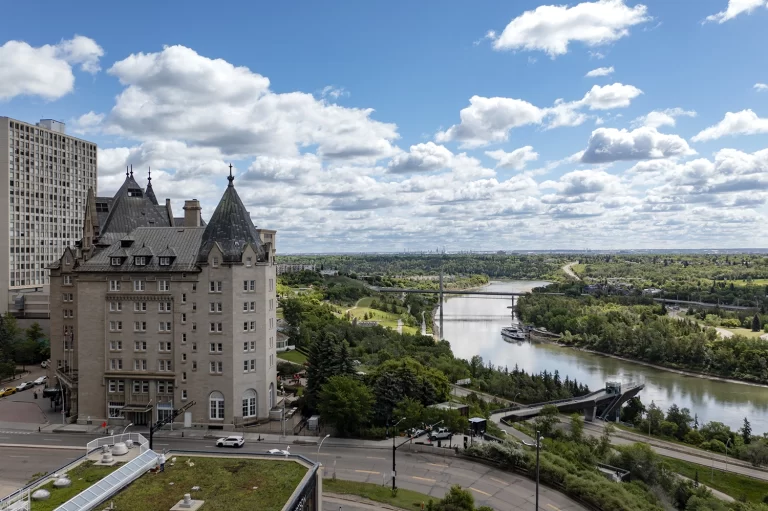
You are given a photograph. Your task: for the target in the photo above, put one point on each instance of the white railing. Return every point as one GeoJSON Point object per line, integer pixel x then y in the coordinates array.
{"type": "Point", "coordinates": [18, 501]}
{"type": "Point", "coordinates": [137, 438]}
{"type": "Point", "coordinates": [102, 490]}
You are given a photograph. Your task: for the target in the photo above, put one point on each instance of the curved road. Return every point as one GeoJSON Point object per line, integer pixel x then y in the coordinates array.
{"type": "Point", "coordinates": [425, 473]}
{"type": "Point", "coordinates": [568, 269]}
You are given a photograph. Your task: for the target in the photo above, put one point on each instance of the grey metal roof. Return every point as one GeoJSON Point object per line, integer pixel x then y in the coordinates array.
{"type": "Point", "coordinates": [231, 228]}
{"type": "Point", "coordinates": [150, 193]}
{"type": "Point", "coordinates": [143, 251]}
{"type": "Point", "coordinates": [178, 221]}
{"type": "Point", "coordinates": [185, 242]}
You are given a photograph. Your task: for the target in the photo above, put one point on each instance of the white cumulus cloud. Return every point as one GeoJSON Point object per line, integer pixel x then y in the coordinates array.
{"type": "Point", "coordinates": [421, 158]}
{"type": "Point", "coordinates": [515, 160]}
{"type": "Point", "coordinates": [551, 28]}
{"type": "Point", "coordinates": [45, 71]}
{"type": "Point", "coordinates": [658, 118]}
{"type": "Point", "coordinates": [760, 87]}
{"type": "Point", "coordinates": [600, 71]}
{"type": "Point", "coordinates": [745, 122]}
{"type": "Point", "coordinates": [610, 144]}
{"type": "Point", "coordinates": [736, 7]}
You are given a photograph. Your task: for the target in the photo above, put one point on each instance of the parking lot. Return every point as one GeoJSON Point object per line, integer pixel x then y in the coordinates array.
{"type": "Point", "coordinates": [22, 407]}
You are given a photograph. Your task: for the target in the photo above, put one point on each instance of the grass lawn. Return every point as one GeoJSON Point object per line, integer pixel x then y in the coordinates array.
{"type": "Point", "coordinates": [405, 499]}
{"type": "Point", "coordinates": [293, 356]}
{"type": "Point", "coordinates": [226, 484]}
{"type": "Point", "coordinates": [82, 476]}
{"type": "Point", "coordinates": [729, 483]}
{"type": "Point", "coordinates": [386, 319]}
{"type": "Point", "coordinates": [744, 331]}
{"type": "Point", "coordinates": [366, 301]}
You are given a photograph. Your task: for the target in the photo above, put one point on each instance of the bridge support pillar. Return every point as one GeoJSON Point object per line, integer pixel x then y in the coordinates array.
{"type": "Point", "coordinates": [589, 413]}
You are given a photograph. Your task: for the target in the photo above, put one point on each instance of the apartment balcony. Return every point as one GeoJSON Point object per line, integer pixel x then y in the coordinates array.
{"type": "Point", "coordinates": [67, 376]}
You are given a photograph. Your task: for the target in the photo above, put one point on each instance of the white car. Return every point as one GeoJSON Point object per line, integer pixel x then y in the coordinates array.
{"type": "Point", "coordinates": [40, 380]}
{"type": "Point", "coordinates": [280, 452]}
{"type": "Point", "coordinates": [230, 441]}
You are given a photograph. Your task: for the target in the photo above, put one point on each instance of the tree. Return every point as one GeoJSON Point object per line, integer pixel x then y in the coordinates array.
{"type": "Point", "coordinates": [756, 323]}
{"type": "Point", "coordinates": [746, 431]}
{"type": "Point", "coordinates": [577, 427]}
{"type": "Point", "coordinates": [328, 356]}
{"type": "Point", "coordinates": [545, 422]}
{"type": "Point", "coordinates": [632, 410]}
{"type": "Point", "coordinates": [457, 499]}
{"type": "Point", "coordinates": [412, 410]}
{"type": "Point", "coordinates": [682, 419]}
{"type": "Point", "coordinates": [346, 403]}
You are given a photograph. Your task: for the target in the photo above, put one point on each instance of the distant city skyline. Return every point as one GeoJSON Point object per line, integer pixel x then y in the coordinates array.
{"type": "Point", "coordinates": [530, 125]}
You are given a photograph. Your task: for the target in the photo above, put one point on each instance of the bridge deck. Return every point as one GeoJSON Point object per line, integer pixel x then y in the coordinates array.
{"type": "Point", "coordinates": [452, 292]}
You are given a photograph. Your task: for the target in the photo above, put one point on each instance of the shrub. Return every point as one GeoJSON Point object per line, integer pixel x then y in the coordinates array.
{"type": "Point", "coordinates": [507, 453]}
{"type": "Point", "coordinates": [372, 433]}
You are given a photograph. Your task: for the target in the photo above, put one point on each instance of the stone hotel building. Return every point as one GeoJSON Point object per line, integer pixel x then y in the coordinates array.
{"type": "Point", "coordinates": [150, 312]}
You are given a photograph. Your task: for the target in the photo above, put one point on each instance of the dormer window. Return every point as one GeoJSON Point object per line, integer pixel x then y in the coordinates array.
{"type": "Point", "coordinates": [102, 207]}
{"type": "Point", "coordinates": [140, 261]}
{"type": "Point", "coordinates": [134, 192]}
{"type": "Point", "coordinates": [215, 262]}
{"type": "Point", "coordinates": [165, 261]}
{"type": "Point", "coordinates": [116, 261]}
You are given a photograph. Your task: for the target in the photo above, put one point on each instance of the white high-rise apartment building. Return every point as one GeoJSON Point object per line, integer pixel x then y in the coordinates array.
{"type": "Point", "coordinates": [42, 200]}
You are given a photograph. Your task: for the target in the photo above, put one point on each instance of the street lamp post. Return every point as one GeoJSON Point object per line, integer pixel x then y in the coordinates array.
{"type": "Point", "coordinates": [539, 438]}
{"type": "Point", "coordinates": [726, 454]}
{"type": "Point", "coordinates": [319, 446]}
{"type": "Point", "coordinates": [394, 450]}
{"type": "Point", "coordinates": [126, 428]}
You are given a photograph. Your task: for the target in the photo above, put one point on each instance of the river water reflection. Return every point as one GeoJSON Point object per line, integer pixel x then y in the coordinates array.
{"type": "Point", "coordinates": [711, 400]}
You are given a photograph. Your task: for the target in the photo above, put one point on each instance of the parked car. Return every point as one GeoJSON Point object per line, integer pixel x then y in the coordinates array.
{"type": "Point", "coordinates": [230, 441]}
{"type": "Point", "coordinates": [280, 452]}
{"type": "Point", "coordinates": [44, 364]}
{"type": "Point", "coordinates": [437, 435]}
{"type": "Point", "coordinates": [40, 380]}
{"type": "Point", "coordinates": [415, 432]}
{"type": "Point", "coordinates": [7, 391]}
{"type": "Point", "coordinates": [24, 386]}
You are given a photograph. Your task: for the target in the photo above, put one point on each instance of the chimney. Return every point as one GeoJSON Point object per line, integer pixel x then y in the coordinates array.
{"type": "Point", "coordinates": [192, 211]}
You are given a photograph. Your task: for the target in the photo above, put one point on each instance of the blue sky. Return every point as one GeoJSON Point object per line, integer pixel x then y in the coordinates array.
{"type": "Point", "coordinates": [464, 145]}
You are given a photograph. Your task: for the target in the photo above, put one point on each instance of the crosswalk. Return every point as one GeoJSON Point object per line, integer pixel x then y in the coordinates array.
{"type": "Point", "coordinates": [6, 432]}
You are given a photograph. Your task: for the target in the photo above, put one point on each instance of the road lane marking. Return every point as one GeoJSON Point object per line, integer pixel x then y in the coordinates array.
{"type": "Point", "coordinates": [161, 444]}
{"type": "Point", "coordinates": [18, 456]}
{"type": "Point", "coordinates": [498, 480]}
{"type": "Point", "coordinates": [424, 479]}
{"type": "Point", "coordinates": [437, 465]}
{"type": "Point", "coordinates": [367, 472]}
{"type": "Point", "coordinates": [374, 458]}
{"type": "Point", "coordinates": [53, 439]}
{"type": "Point", "coordinates": [554, 507]}
{"type": "Point", "coordinates": [480, 491]}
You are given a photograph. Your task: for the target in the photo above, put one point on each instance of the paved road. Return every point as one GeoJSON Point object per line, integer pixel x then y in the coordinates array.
{"type": "Point", "coordinates": [425, 473]}
{"type": "Point", "coordinates": [21, 463]}
{"type": "Point", "coordinates": [722, 331]}
{"type": "Point", "coordinates": [24, 408]}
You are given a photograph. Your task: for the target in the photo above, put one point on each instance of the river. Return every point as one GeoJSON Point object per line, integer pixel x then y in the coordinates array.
{"type": "Point", "coordinates": [712, 400]}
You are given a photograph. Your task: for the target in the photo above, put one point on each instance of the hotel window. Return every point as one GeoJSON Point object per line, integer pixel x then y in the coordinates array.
{"type": "Point", "coordinates": [253, 285]}
{"type": "Point", "coordinates": [245, 285]}
{"type": "Point", "coordinates": [194, 306]}
{"type": "Point", "coordinates": [164, 365]}
{"type": "Point", "coordinates": [68, 297]}
{"type": "Point", "coordinates": [253, 306]}
{"type": "Point", "coordinates": [184, 395]}
{"type": "Point", "coordinates": [67, 280]}
{"type": "Point", "coordinates": [115, 261]}
{"type": "Point", "coordinates": [139, 285]}
{"type": "Point", "coordinates": [183, 297]}
{"type": "Point", "coordinates": [115, 345]}
{"type": "Point", "coordinates": [140, 365]}
{"type": "Point", "coordinates": [216, 307]}
{"type": "Point", "coordinates": [184, 376]}
{"type": "Point", "coordinates": [215, 262]}
{"type": "Point", "coordinates": [161, 387]}
{"type": "Point", "coordinates": [114, 285]}
{"type": "Point", "coordinates": [115, 326]}
{"type": "Point", "coordinates": [253, 326]}
{"type": "Point", "coordinates": [115, 306]}
{"type": "Point", "coordinates": [183, 338]}
{"type": "Point", "coordinates": [194, 365]}
{"type": "Point", "coordinates": [164, 346]}
{"type": "Point", "coordinates": [115, 364]}
{"type": "Point", "coordinates": [183, 357]}
{"type": "Point", "coordinates": [183, 317]}
{"type": "Point", "coordinates": [139, 306]}
{"type": "Point", "coordinates": [216, 367]}
{"type": "Point", "coordinates": [245, 306]}
{"type": "Point", "coordinates": [194, 326]}
{"type": "Point", "coordinates": [253, 345]}
{"type": "Point", "coordinates": [248, 262]}
{"type": "Point", "coordinates": [216, 401]}
{"type": "Point", "coordinates": [163, 285]}
{"type": "Point", "coordinates": [140, 386]}
{"type": "Point", "coordinates": [245, 326]}
{"type": "Point", "coordinates": [245, 346]}
{"type": "Point", "coordinates": [215, 347]}
{"type": "Point", "coordinates": [215, 286]}
{"type": "Point", "coordinates": [116, 386]}
{"type": "Point", "coordinates": [139, 326]}
{"type": "Point", "coordinates": [139, 345]}
{"type": "Point", "coordinates": [253, 364]}
{"type": "Point", "coordinates": [249, 403]}
{"type": "Point", "coordinates": [164, 326]}
{"type": "Point", "coordinates": [165, 261]}
{"type": "Point", "coordinates": [116, 409]}
{"type": "Point", "coordinates": [164, 307]}
{"type": "Point", "coordinates": [245, 366]}
{"type": "Point", "coordinates": [215, 328]}
{"type": "Point", "coordinates": [140, 261]}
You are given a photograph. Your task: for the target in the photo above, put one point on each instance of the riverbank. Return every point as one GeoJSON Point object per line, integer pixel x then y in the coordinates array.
{"type": "Point", "coordinates": [682, 372]}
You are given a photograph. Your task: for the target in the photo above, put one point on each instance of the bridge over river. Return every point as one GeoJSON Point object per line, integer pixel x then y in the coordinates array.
{"type": "Point", "coordinates": [595, 404]}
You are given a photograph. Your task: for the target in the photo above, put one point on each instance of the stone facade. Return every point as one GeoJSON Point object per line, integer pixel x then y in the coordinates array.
{"type": "Point", "coordinates": [146, 321]}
